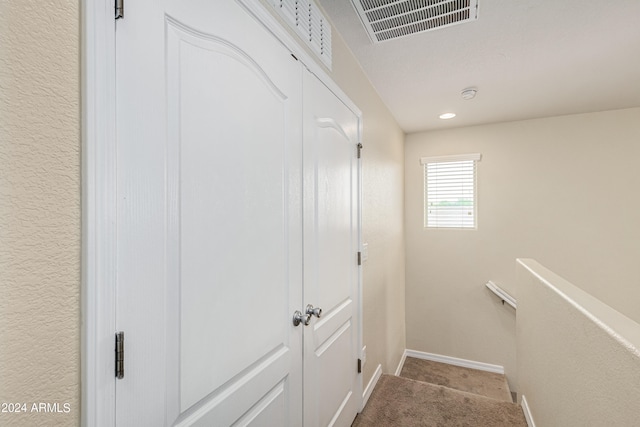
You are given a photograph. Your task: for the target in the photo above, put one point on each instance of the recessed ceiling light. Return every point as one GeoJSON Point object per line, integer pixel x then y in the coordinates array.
{"type": "Point", "coordinates": [446, 116]}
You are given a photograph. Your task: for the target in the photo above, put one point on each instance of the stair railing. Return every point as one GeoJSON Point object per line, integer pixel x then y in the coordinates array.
{"type": "Point", "coordinates": [502, 294]}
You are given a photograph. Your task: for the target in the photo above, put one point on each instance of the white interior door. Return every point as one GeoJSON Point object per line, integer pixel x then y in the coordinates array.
{"type": "Point", "coordinates": [209, 225]}
{"type": "Point", "coordinates": [331, 243]}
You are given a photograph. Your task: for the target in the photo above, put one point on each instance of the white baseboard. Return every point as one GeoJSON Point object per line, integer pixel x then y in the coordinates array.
{"type": "Point", "coordinates": [372, 384]}
{"type": "Point", "coordinates": [497, 369]}
{"type": "Point", "coordinates": [527, 412]}
{"type": "Point", "coordinates": [401, 364]}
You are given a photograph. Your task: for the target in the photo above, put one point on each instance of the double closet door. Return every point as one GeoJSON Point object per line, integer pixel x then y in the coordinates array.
{"type": "Point", "coordinates": [237, 207]}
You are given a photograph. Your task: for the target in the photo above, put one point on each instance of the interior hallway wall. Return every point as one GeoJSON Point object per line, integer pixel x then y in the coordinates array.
{"type": "Point", "coordinates": [40, 211]}
{"type": "Point", "coordinates": [595, 354]}
{"type": "Point", "coordinates": [560, 190]}
{"type": "Point", "coordinates": [40, 218]}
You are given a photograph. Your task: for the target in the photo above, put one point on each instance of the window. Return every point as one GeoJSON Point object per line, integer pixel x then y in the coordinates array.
{"type": "Point", "coordinates": [450, 191]}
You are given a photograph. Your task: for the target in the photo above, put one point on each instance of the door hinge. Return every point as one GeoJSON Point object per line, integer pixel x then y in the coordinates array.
{"type": "Point", "coordinates": [359, 258]}
{"type": "Point", "coordinates": [119, 6]}
{"type": "Point", "coordinates": [359, 149]}
{"type": "Point", "coordinates": [359, 366]}
{"type": "Point", "coordinates": [120, 355]}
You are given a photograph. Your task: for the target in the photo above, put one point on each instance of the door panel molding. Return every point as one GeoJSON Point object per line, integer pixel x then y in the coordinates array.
{"type": "Point", "coordinates": [201, 39]}
{"type": "Point", "coordinates": [190, 54]}
{"type": "Point", "coordinates": [231, 397]}
{"type": "Point", "coordinates": [260, 12]}
{"type": "Point", "coordinates": [328, 122]}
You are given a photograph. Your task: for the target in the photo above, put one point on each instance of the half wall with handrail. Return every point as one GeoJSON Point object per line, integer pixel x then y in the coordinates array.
{"type": "Point", "coordinates": [578, 359]}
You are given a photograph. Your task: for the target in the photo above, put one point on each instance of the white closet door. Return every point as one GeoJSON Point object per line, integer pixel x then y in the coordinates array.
{"type": "Point", "coordinates": [209, 228]}
{"type": "Point", "coordinates": [331, 272]}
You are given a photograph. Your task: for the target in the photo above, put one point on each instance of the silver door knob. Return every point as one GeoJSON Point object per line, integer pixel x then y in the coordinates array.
{"type": "Point", "coordinates": [314, 311]}
{"type": "Point", "coordinates": [298, 318]}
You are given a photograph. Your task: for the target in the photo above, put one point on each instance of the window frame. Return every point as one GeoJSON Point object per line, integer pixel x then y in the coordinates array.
{"type": "Point", "coordinates": [425, 161]}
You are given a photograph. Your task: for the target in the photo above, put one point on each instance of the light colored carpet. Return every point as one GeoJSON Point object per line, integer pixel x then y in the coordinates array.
{"type": "Point", "coordinates": [401, 402]}
{"type": "Point", "coordinates": [464, 379]}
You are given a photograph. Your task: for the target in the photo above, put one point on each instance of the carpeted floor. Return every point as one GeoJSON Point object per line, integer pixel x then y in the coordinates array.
{"type": "Point", "coordinates": [402, 402]}
{"type": "Point", "coordinates": [464, 379]}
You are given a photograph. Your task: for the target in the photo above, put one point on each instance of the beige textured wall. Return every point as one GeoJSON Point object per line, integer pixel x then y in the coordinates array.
{"type": "Point", "coordinates": [559, 190]}
{"type": "Point", "coordinates": [574, 370]}
{"type": "Point", "coordinates": [40, 210]}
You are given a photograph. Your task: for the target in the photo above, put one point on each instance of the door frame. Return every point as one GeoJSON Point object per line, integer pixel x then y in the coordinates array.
{"type": "Point", "coordinates": [98, 213]}
{"type": "Point", "coordinates": [98, 300]}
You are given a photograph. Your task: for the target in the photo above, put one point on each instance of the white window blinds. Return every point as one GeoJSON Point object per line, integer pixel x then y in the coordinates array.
{"type": "Point", "coordinates": [450, 191]}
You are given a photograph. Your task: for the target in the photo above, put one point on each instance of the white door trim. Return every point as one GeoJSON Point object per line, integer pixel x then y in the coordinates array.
{"type": "Point", "coordinates": [98, 213]}
{"type": "Point", "coordinates": [99, 198]}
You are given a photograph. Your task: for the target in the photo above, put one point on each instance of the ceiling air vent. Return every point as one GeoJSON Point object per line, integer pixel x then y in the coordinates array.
{"type": "Point", "coordinates": [392, 19]}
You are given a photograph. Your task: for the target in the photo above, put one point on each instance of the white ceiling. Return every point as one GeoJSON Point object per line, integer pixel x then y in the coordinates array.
{"type": "Point", "coordinates": [528, 59]}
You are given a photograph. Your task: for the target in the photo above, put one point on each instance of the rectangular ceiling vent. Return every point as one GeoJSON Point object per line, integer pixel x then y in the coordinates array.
{"type": "Point", "coordinates": [309, 22]}
{"type": "Point", "coordinates": [391, 19]}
